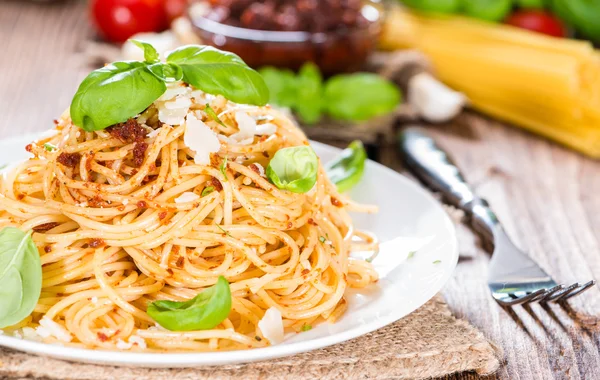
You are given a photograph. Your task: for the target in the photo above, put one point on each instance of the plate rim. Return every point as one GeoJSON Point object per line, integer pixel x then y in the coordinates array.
{"type": "Point", "coordinates": [200, 359]}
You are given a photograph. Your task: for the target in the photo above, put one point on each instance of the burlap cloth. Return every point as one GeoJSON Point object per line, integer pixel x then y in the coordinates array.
{"type": "Point", "coordinates": [428, 343]}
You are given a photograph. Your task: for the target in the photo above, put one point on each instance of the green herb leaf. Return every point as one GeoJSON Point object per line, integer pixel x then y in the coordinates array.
{"type": "Point", "coordinates": [306, 328]}
{"type": "Point", "coordinates": [207, 190]}
{"type": "Point", "coordinates": [360, 96]}
{"type": "Point", "coordinates": [282, 86]}
{"type": "Point", "coordinates": [294, 169]}
{"type": "Point", "coordinates": [168, 72]}
{"type": "Point", "coordinates": [220, 73]}
{"type": "Point", "coordinates": [203, 312]}
{"type": "Point", "coordinates": [113, 94]}
{"type": "Point", "coordinates": [150, 53]}
{"type": "Point", "coordinates": [322, 239]}
{"type": "Point", "coordinates": [437, 6]}
{"type": "Point", "coordinates": [347, 169]}
{"type": "Point", "coordinates": [50, 147]}
{"type": "Point", "coordinates": [213, 115]}
{"type": "Point", "coordinates": [411, 254]}
{"type": "Point", "coordinates": [309, 93]}
{"type": "Point", "coordinates": [437, 261]}
{"type": "Point", "coordinates": [223, 168]}
{"type": "Point", "coordinates": [20, 276]}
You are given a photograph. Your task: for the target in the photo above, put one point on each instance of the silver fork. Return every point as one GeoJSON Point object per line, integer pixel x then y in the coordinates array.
{"type": "Point", "coordinates": [513, 278]}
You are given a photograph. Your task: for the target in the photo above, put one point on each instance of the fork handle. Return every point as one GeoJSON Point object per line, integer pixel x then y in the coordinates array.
{"type": "Point", "coordinates": [432, 165]}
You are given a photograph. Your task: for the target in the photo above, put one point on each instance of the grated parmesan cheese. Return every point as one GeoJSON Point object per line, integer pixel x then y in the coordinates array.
{"type": "Point", "coordinates": [201, 139]}
{"type": "Point", "coordinates": [186, 197]}
{"type": "Point", "coordinates": [29, 333]}
{"type": "Point", "coordinates": [50, 328]}
{"type": "Point", "coordinates": [271, 326]}
{"type": "Point", "coordinates": [261, 169]}
{"type": "Point", "coordinates": [94, 300]}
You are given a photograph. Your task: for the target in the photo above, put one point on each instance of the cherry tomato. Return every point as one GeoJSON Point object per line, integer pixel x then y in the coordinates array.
{"type": "Point", "coordinates": [117, 20]}
{"type": "Point", "coordinates": [537, 21]}
{"type": "Point", "coordinates": [174, 9]}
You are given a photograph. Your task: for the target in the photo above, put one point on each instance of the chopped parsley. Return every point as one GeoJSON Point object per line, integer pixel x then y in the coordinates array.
{"type": "Point", "coordinates": [50, 147]}
{"type": "Point", "coordinates": [305, 327]}
{"type": "Point", "coordinates": [411, 254]}
{"type": "Point", "coordinates": [210, 112]}
{"type": "Point", "coordinates": [322, 239]}
{"type": "Point", "coordinates": [207, 190]}
{"type": "Point", "coordinates": [437, 261]}
{"type": "Point", "coordinates": [226, 233]}
{"type": "Point", "coordinates": [224, 168]}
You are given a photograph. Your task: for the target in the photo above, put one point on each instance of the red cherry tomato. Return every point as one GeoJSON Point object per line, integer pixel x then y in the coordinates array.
{"type": "Point", "coordinates": [537, 21]}
{"type": "Point", "coordinates": [117, 20]}
{"type": "Point", "coordinates": [174, 9]}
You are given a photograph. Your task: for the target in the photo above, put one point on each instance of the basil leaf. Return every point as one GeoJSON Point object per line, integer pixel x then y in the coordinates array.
{"type": "Point", "coordinates": [294, 169]}
{"type": "Point", "coordinates": [50, 147]}
{"type": "Point", "coordinates": [347, 169]}
{"type": "Point", "coordinates": [282, 86]}
{"type": "Point", "coordinates": [220, 73]}
{"type": "Point", "coordinates": [168, 72]}
{"type": "Point", "coordinates": [203, 312]}
{"type": "Point", "coordinates": [213, 115]}
{"type": "Point", "coordinates": [150, 53]}
{"type": "Point", "coordinates": [20, 276]}
{"type": "Point", "coordinates": [113, 94]}
{"type": "Point", "coordinates": [360, 96]}
{"type": "Point", "coordinates": [207, 190]}
{"type": "Point", "coordinates": [309, 93]}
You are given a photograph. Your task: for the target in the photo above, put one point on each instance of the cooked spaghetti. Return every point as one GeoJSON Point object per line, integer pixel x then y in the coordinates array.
{"type": "Point", "coordinates": [126, 216]}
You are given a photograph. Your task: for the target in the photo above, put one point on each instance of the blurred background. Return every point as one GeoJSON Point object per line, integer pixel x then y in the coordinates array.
{"type": "Point", "coordinates": [346, 69]}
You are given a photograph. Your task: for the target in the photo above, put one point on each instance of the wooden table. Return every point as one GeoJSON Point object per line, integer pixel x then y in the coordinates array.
{"type": "Point", "coordinates": [546, 195]}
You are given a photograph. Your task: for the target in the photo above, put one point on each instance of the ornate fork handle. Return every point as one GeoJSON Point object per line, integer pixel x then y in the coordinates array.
{"type": "Point", "coordinates": [434, 168]}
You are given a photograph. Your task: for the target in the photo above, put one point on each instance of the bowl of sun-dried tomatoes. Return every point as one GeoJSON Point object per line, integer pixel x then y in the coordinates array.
{"type": "Point", "coordinates": [337, 35]}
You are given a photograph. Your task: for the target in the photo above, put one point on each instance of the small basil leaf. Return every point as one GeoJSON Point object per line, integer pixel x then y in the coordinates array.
{"type": "Point", "coordinates": [113, 94]}
{"type": "Point", "coordinates": [213, 115]}
{"type": "Point", "coordinates": [168, 72]}
{"type": "Point", "coordinates": [309, 93]}
{"type": "Point", "coordinates": [20, 276]}
{"type": "Point", "coordinates": [207, 190]}
{"type": "Point", "coordinates": [347, 169]}
{"type": "Point", "coordinates": [203, 312]}
{"type": "Point", "coordinates": [282, 86]}
{"type": "Point", "coordinates": [360, 96]}
{"type": "Point", "coordinates": [220, 73]}
{"type": "Point", "coordinates": [150, 53]}
{"type": "Point", "coordinates": [294, 169]}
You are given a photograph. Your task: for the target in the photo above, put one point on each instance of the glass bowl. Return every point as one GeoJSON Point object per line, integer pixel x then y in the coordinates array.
{"type": "Point", "coordinates": [334, 52]}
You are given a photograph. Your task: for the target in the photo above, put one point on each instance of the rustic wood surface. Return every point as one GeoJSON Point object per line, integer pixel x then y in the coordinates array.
{"type": "Point", "coordinates": [546, 195]}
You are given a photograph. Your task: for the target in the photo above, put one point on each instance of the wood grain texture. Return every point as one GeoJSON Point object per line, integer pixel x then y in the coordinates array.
{"type": "Point", "coordinates": [546, 195]}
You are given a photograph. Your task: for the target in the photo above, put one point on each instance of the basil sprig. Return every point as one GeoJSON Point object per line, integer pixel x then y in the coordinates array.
{"type": "Point", "coordinates": [220, 73]}
{"type": "Point", "coordinates": [347, 169]}
{"type": "Point", "coordinates": [294, 169]}
{"type": "Point", "coordinates": [122, 90]}
{"type": "Point", "coordinates": [203, 312]}
{"type": "Point", "coordinates": [20, 276]}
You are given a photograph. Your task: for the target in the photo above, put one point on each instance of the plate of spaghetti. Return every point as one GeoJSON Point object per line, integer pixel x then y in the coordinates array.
{"type": "Point", "coordinates": [172, 218]}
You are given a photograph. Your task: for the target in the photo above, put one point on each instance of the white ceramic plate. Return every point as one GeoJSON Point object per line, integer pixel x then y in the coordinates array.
{"type": "Point", "coordinates": [409, 219]}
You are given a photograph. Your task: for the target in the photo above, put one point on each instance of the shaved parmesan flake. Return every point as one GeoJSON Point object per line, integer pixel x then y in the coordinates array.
{"type": "Point", "coordinates": [248, 128]}
{"type": "Point", "coordinates": [174, 104]}
{"type": "Point", "coordinates": [30, 334]}
{"type": "Point", "coordinates": [201, 139]}
{"type": "Point", "coordinates": [186, 197]}
{"type": "Point", "coordinates": [134, 340]}
{"type": "Point", "coordinates": [50, 328]}
{"type": "Point", "coordinates": [261, 169]}
{"type": "Point", "coordinates": [271, 326]}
